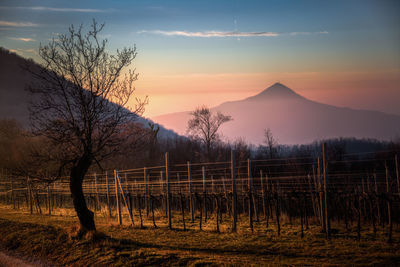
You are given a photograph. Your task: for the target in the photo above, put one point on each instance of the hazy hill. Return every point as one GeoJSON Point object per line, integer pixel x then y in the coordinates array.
{"type": "Point", "coordinates": [13, 79]}
{"type": "Point", "coordinates": [293, 119]}
{"type": "Point", "coordinates": [14, 99]}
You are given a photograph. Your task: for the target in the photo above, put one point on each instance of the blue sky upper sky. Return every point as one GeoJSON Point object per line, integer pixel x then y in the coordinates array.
{"type": "Point", "coordinates": [190, 50]}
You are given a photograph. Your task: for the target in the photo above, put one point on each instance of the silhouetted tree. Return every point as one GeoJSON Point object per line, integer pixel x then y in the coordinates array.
{"type": "Point", "coordinates": [271, 143]}
{"type": "Point", "coordinates": [204, 126]}
{"type": "Point", "coordinates": [79, 100]}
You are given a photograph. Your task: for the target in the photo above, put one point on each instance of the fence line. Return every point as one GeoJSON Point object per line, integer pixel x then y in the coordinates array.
{"type": "Point", "coordinates": [318, 190]}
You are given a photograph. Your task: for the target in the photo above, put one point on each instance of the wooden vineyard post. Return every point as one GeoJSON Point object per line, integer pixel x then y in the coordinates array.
{"type": "Point", "coordinates": [124, 198]}
{"type": "Point", "coordinates": [255, 202]}
{"type": "Point", "coordinates": [168, 190]}
{"type": "Point", "coordinates": [250, 185]}
{"type": "Point", "coordinates": [212, 184]}
{"type": "Point", "coordinates": [234, 196]}
{"type": "Point", "coordinates": [31, 197]}
{"type": "Point", "coordinates": [203, 171]}
{"type": "Point", "coordinates": [377, 204]}
{"type": "Point", "coordinates": [108, 196]}
{"type": "Point", "coordinates": [163, 193]}
{"type": "Point", "coordinates": [325, 190]}
{"type": "Point", "coordinates": [364, 205]}
{"type": "Point", "coordinates": [117, 198]}
{"type": "Point", "coordinates": [268, 207]}
{"type": "Point", "coordinates": [182, 202]}
{"type": "Point", "coordinates": [212, 193]}
{"type": "Point", "coordinates": [189, 171]}
{"type": "Point", "coordinates": [389, 204]}
{"type": "Point", "coordinates": [220, 199]}
{"type": "Point", "coordinates": [28, 183]}
{"type": "Point", "coordinates": [128, 193]}
{"type": "Point", "coordinates": [12, 192]}
{"type": "Point", "coordinates": [218, 210]}
{"type": "Point", "coordinates": [243, 191]}
{"type": "Point", "coordinates": [228, 210]}
{"type": "Point", "coordinates": [311, 193]}
{"type": "Point", "coordinates": [301, 217]}
{"type": "Point", "coordinates": [91, 194]}
{"type": "Point", "coordinates": [357, 203]}
{"type": "Point", "coordinates": [48, 198]}
{"type": "Point", "coordinates": [316, 196]}
{"type": "Point", "coordinates": [254, 198]}
{"type": "Point", "coordinates": [139, 203]}
{"type": "Point", "coordinates": [54, 197]}
{"type": "Point", "coordinates": [37, 203]}
{"type": "Point", "coordinates": [276, 192]}
{"type": "Point", "coordinates": [263, 195]}
{"type": "Point", "coordinates": [201, 211]}
{"type": "Point", "coordinates": [321, 202]}
{"type": "Point", "coordinates": [397, 173]}
{"type": "Point", "coordinates": [97, 192]}
{"type": "Point", "coordinates": [152, 211]}
{"type": "Point", "coordinates": [371, 205]}
{"type": "Point", "coordinates": [146, 191]}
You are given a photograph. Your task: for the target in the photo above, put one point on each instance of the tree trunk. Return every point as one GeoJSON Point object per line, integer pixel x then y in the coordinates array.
{"type": "Point", "coordinates": [86, 216]}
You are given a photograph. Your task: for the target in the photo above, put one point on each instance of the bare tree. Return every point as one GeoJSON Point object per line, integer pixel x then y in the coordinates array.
{"type": "Point", "coordinates": [204, 126]}
{"type": "Point", "coordinates": [79, 104]}
{"type": "Point", "coordinates": [271, 143]}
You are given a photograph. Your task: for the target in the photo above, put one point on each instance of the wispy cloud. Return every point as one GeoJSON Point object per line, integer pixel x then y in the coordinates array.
{"type": "Point", "coordinates": [23, 39]}
{"type": "Point", "coordinates": [23, 51]}
{"type": "Point", "coordinates": [211, 33]}
{"type": "Point", "coordinates": [17, 24]}
{"type": "Point", "coordinates": [58, 9]}
{"type": "Point", "coordinates": [221, 34]}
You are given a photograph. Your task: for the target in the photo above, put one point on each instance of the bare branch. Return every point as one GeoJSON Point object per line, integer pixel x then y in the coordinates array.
{"type": "Point", "coordinates": [204, 126]}
{"type": "Point", "coordinates": [80, 99]}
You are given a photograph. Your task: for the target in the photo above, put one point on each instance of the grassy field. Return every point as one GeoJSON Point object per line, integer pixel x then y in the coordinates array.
{"type": "Point", "coordinates": [53, 238]}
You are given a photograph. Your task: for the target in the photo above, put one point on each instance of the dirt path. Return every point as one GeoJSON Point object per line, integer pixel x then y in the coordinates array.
{"type": "Point", "coordinates": [7, 259]}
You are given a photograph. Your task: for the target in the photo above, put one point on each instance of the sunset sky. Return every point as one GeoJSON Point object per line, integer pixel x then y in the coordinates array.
{"type": "Point", "coordinates": [344, 53]}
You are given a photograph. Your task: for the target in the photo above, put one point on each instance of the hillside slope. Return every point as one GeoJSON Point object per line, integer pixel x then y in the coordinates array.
{"type": "Point", "coordinates": [14, 99]}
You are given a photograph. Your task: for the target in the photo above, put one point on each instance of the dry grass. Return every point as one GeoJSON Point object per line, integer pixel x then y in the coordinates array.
{"type": "Point", "coordinates": [52, 238]}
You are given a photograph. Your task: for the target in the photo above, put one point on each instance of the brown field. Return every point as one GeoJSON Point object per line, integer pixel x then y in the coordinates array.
{"type": "Point", "coordinates": [52, 238]}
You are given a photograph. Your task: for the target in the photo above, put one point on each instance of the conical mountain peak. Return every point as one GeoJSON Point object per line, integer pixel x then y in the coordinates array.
{"type": "Point", "coordinates": [293, 119]}
{"type": "Point", "coordinates": [277, 91]}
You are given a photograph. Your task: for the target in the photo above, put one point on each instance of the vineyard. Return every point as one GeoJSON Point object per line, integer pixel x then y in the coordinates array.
{"type": "Point", "coordinates": [356, 191]}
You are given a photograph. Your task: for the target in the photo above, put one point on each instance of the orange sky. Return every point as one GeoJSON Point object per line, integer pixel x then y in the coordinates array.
{"type": "Point", "coordinates": [376, 90]}
{"type": "Point", "coordinates": [193, 53]}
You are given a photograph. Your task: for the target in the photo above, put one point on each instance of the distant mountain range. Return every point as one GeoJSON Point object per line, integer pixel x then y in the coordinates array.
{"type": "Point", "coordinates": [14, 99]}
{"type": "Point", "coordinates": [292, 119]}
